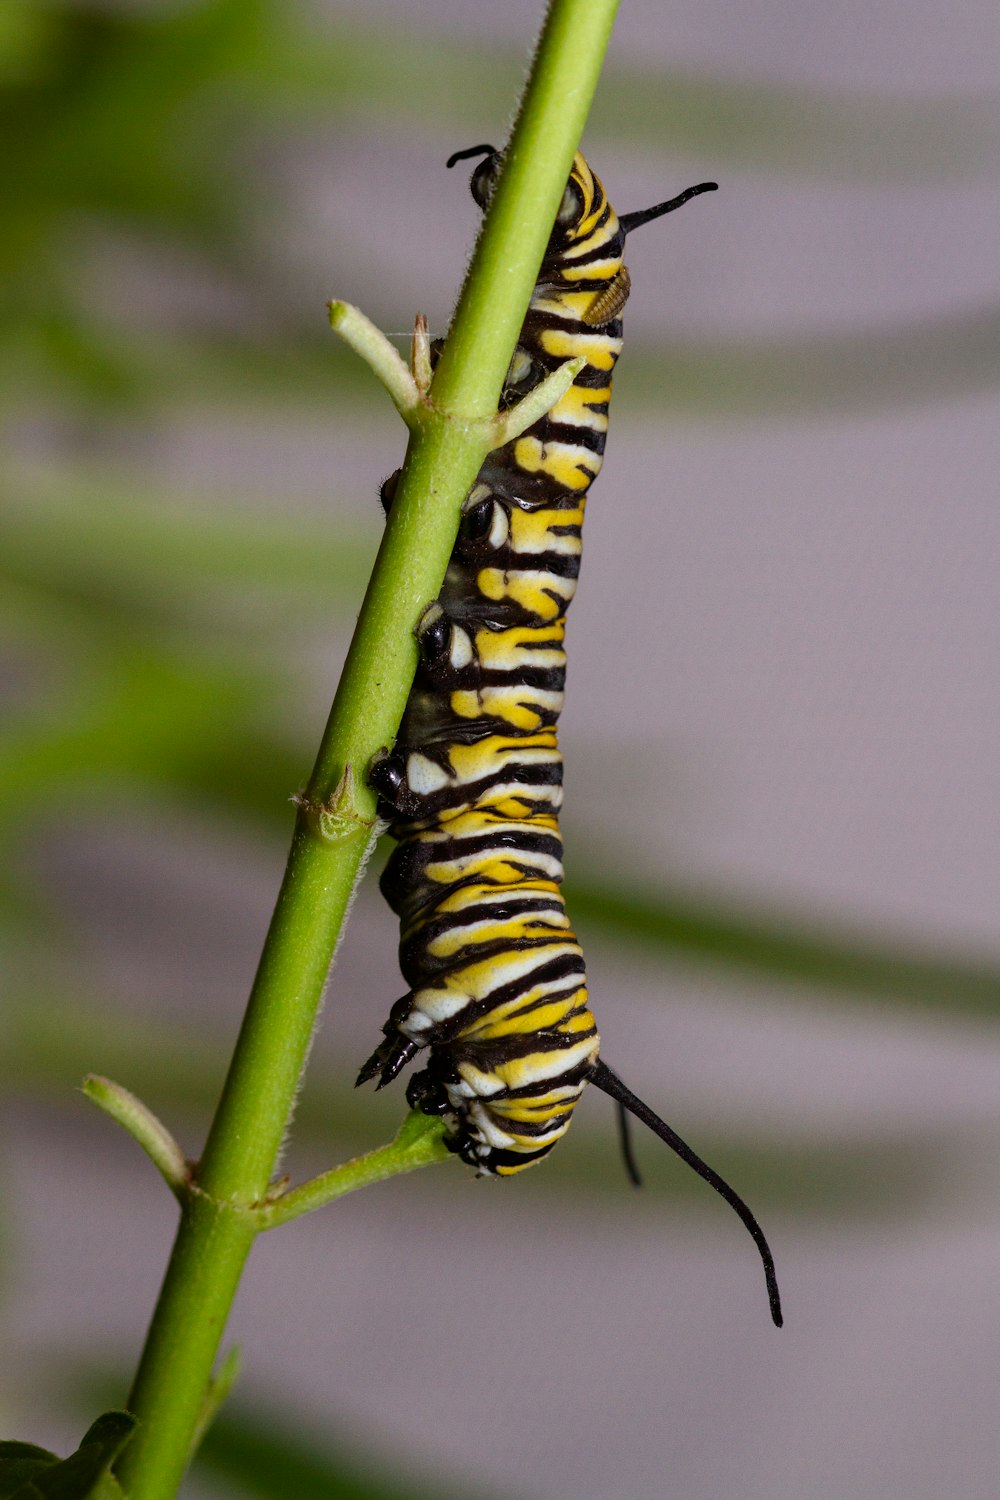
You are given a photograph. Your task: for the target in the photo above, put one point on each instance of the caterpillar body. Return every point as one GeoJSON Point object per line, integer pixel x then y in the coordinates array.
{"type": "Point", "coordinates": [472, 789]}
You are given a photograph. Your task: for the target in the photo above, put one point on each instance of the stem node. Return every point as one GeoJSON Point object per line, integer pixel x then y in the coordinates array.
{"type": "Point", "coordinates": [420, 355]}
{"type": "Point", "coordinates": [338, 817]}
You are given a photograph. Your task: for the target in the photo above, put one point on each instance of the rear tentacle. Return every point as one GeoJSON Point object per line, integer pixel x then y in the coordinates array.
{"type": "Point", "coordinates": [609, 1083]}
{"type": "Point", "coordinates": [625, 1141]}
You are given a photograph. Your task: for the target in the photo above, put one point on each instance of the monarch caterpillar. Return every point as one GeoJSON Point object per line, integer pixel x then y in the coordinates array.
{"type": "Point", "coordinates": [472, 789]}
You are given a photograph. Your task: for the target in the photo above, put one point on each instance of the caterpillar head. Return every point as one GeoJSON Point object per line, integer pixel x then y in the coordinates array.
{"type": "Point", "coordinates": [582, 200]}
{"type": "Point", "coordinates": [484, 176]}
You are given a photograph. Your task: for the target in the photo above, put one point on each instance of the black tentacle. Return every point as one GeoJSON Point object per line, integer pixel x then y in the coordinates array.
{"type": "Point", "coordinates": [646, 215]}
{"type": "Point", "coordinates": [625, 1141]}
{"type": "Point", "coordinates": [469, 152]}
{"type": "Point", "coordinates": [609, 1083]}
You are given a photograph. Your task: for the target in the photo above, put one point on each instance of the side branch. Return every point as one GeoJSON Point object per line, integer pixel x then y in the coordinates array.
{"type": "Point", "coordinates": [408, 386]}
{"type": "Point", "coordinates": [381, 357]}
{"type": "Point", "coordinates": [144, 1128]}
{"type": "Point", "coordinates": [509, 424]}
{"type": "Point", "coordinates": [420, 1143]}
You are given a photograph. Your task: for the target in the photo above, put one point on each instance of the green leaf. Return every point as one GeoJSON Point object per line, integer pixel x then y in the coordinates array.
{"type": "Point", "coordinates": [253, 1452]}
{"type": "Point", "coordinates": [216, 1394]}
{"type": "Point", "coordinates": [883, 368]}
{"type": "Point", "coordinates": [20, 1462]}
{"type": "Point", "coordinates": [780, 946]}
{"type": "Point", "coordinates": [820, 133]}
{"type": "Point", "coordinates": [259, 1456]}
{"type": "Point", "coordinates": [30, 1473]}
{"type": "Point", "coordinates": [118, 542]}
{"type": "Point", "coordinates": [829, 374]}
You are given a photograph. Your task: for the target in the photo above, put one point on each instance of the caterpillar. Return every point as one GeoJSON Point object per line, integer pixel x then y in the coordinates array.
{"type": "Point", "coordinates": [472, 789]}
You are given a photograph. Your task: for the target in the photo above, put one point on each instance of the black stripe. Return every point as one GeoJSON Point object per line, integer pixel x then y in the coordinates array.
{"type": "Point", "coordinates": [520, 675]}
{"type": "Point", "coordinates": [498, 1156]}
{"type": "Point", "coordinates": [599, 408]}
{"type": "Point", "coordinates": [591, 377]}
{"type": "Point", "coordinates": [449, 1031]}
{"type": "Point", "coordinates": [539, 1037]}
{"type": "Point", "coordinates": [545, 640]}
{"type": "Point", "coordinates": [559, 564]}
{"type": "Point", "coordinates": [477, 947]}
{"type": "Point", "coordinates": [506, 613]}
{"type": "Point", "coordinates": [405, 869]}
{"type": "Point", "coordinates": [591, 438]}
{"type": "Point", "coordinates": [611, 249]}
{"type": "Point", "coordinates": [546, 321]}
{"type": "Point", "coordinates": [506, 560]}
{"type": "Point", "coordinates": [543, 912]}
{"type": "Point", "coordinates": [420, 966]}
{"type": "Point", "coordinates": [490, 1055]}
{"type": "Point", "coordinates": [523, 844]}
{"type": "Point", "coordinates": [522, 773]}
{"type": "Point", "coordinates": [492, 911]}
{"type": "Point", "coordinates": [443, 729]}
{"type": "Point", "coordinates": [543, 1126]}
{"type": "Point", "coordinates": [491, 721]}
{"type": "Point", "coordinates": [570, 1079]}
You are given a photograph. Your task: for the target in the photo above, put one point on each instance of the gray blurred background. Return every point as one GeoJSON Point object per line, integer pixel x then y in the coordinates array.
{"type": "Point", "coordinates": [781, 738]}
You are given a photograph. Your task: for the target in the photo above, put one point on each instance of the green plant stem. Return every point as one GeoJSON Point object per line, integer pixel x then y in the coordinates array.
{"type": "Point", "coordinates": [420, 1143]}
{"type": "Point", "coordinates": [335, 822]}
{"type": "Point", "coordinates": [168, 1396]}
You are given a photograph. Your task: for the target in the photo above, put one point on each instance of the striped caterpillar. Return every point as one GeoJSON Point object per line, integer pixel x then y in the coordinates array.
{"type": "Point", "coordinates": [472, 789]}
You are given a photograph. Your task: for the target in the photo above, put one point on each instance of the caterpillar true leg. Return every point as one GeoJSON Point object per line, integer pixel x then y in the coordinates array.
{"type": "Point", "coordinates": [387, 490]}
{"type": "Point", "coordinates": [391, 1055]}
{"type": "Point", "coordinates": [446, 648]}
{"type": "Point", "coordinates": [387, 776]}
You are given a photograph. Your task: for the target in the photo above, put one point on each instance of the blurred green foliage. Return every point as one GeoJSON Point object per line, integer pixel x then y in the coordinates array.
{"type": "Point", "coordinates": [31, 1473]}
{"type": "Point", "coordinates": [254, 1455]}
{"type": "Point", "coordinates": [250, 1451]}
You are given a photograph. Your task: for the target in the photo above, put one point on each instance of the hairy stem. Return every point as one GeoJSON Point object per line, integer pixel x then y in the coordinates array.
{"type": "Point", "coordinates": [335, 822]}
{"type": "Point", "coordinates": [420, 1143]}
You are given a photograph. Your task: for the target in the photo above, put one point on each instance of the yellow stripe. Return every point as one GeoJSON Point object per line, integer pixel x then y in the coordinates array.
{"type": "Point", "coordinates": [598, 349]}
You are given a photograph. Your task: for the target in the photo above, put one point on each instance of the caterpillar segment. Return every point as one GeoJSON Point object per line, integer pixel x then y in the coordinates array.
{"type": "Point", "coordinates": [498, 1005]}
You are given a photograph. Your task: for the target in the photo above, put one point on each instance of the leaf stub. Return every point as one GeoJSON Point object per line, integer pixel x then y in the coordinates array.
{"type": "Point", "coordinates": [31, 1473]}
{"type": "Point", "coordinates": [144, 1128]}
